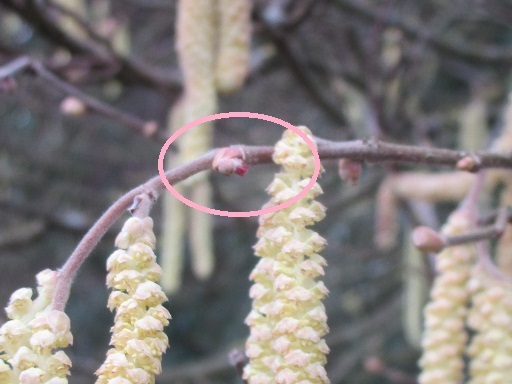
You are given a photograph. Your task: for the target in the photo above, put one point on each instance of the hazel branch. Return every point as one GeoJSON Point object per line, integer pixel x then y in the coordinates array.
{"type": "Point", "coordinates": [360, 150]}
{"type": "Point", "coordinates": [26, 64]}
{"type": "Point", "coordinates": [98, 230]}
{"type": "Point", "coordinates": [428, 240]}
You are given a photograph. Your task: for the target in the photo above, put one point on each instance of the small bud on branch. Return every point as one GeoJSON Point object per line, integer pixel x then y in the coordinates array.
{"type": "Point", "coordinates": [230, 160]}
{"type": "Point", "coordinates": [350, 170]}
{"type": "Point", "coordinates": [427, 240]}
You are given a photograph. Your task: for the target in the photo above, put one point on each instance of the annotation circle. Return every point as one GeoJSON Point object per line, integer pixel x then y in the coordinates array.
{"type": "Point", "coordinates": [248, 115]}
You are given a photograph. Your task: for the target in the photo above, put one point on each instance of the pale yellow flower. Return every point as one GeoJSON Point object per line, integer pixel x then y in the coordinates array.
{"type": "Point", "coordinates": [288, 321]}
{"type": "Point", "coordinates": [444, 338]}
{"type": "Point", "coordinates": [491, 318]}
{"type": "Point", "coordinates": [28, 341]}
{"type": "Point", "coordinates": [138, 339]}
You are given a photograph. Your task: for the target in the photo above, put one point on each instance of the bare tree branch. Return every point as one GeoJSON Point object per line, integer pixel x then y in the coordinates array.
{"type": "Point", "coordinates": [146, 128]}
{"type": "Point", "coordinates": [130, 69]}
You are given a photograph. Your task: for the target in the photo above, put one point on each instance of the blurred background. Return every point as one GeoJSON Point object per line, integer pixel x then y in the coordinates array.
{"type": "Point", "coordinates": [429, 73]}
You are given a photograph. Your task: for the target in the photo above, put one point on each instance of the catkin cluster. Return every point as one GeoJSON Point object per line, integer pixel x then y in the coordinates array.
{"type": "Point", "coordinates": [212, 40]}
{"type": "Point", "coordinates": [29, 339]}
{"type": "Point", "coordinates": [288, 320]}
{"type": "Point", "coordinates": [138, 339]}
{"type": "Point", "coordinates": [491, 318]}
{"type": "Point", "coordinates": [444, 339]}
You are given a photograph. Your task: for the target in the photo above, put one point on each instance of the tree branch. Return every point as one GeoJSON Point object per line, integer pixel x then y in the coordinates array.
{"type": "Point", "coordinates": [472, 54]}
{"type": "Point", "coordinates": [357, 150]}
{"type": "Point", "coordinates": [130, 69]}
{"type": "Point", "coordinates": [26, 64]}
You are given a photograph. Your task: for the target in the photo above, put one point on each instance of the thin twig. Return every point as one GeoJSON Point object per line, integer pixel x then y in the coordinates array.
{"type": "Point", "coordinates": [428, 240]}
{"type": "Point", "coordinates": [146, 128]}
{"type": "Point", "coordinates": [130, 69]}
{"type": "Point", "coordinates": [472, 54]}
{"type": "Point", "coordinates": [98, 230]}
{"type": "Point", "coordinates": [299, 67]}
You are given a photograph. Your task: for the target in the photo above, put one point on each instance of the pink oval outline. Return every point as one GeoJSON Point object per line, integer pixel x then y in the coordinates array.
{"type": "Point", "coordinates": [249, 115]}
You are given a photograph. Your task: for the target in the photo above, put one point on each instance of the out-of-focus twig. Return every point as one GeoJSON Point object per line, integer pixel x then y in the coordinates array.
{"type": "Point", "coordinates": [26, 64]}
{"type": "Point", "coordinates": [130, 70]}
{"type": "Point", "coordinates": [475, 54]}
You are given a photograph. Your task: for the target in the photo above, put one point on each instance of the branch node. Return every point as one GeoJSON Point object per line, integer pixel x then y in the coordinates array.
{"type": "Point", "coordinates": [470, 163]}
{"type": "Point", "coordinates": [143, 202]}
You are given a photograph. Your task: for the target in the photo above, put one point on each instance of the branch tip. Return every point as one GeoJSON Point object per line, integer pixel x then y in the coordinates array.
{"type": "Point", "coordinates": [427, 240]}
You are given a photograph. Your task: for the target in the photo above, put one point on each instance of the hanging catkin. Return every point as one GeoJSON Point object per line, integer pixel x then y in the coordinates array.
{"type": "Point", "coordinates": [288, 320]}
{"type": "Point", "coordinates": [490, 317]}
{"type": "Point", "coordinates": [213, 46]}
{"type": "Point", "coordinates": [444, 339]}
{"type": "Point", "coordinates": [195, 42]}
{"type": "Point", "coordinates": [232, 62]}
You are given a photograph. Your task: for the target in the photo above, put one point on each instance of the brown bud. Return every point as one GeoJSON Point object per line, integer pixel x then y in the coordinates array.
{"type": "Point", "coordinates": [350, 170]}
{"type": "Point", "coordinates": [427, 240]}
{"type": "Point", "coordinates": [150, 128]}
{"type": "Point", "coordinates": [468, 163]}
{"type": "Point", "coordinates": [72, 106]}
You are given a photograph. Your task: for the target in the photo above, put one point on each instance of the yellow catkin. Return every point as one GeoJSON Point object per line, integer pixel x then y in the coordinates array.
{"type": "Point", "coordinates": [232, 64]}
{"type": "Point", "coordinates": [445, 338]}
{"type": "Point", "coordinates": [196, 29]}
{"type": "Point", "coordinates": [288, 320]}
{"type": "Point", "coordinates": [174, 218]}
{"type": "Point", "coordinates": [386, 220]}
{"type": "Point", "coordinates": [195, 42]}
{"type": "Point", "coordinates": [138, 340]}
{"type": "Point", "coordinates": [504, 144]}
{"type": "Point", "coordinates": [30, 340]}
{"type": "Point", "coordinates": [491, 318]}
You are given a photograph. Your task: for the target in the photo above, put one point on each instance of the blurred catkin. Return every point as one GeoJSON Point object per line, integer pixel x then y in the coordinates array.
{"type": "Point", "coordinates": [232, 64]}
{"type": "Point", "coordinates": [195, 42]}
{"type": "Point", "coordinates": [504, 144]}
{"type": "Point", "coordinates": [212, 39]}
{"type": "Point", "coordinates": [490, 316]}
{"type": "Point", "coordinates": [288, 320]}
{"type": "Point", "coordinates": [444, 338]}
{"type": "Point", "coordinates": [30, 339]}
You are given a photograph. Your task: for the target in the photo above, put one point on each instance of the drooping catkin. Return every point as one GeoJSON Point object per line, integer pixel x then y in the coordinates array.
{"type": "Point", "coordinates": [232, 64]}
{"type": "Point", "coordinates": [444, 339]}
{"type": "Point", "coordinates": [288, 320]}
{"type": "Point", "coordinates": [504, 144]}
{"type": "Point", "coordinates": [196, 28]}
{"type": "Point", "coordinates": [490, 316]}
{"type": "Point", "coordinates": [138, 340]}
{"type": "Point", "coordinates": [28, 341]}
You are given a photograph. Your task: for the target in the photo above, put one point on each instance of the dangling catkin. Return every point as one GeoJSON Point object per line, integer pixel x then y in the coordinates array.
{"type": "Point", "coordinates": [444, 339]}
{"type": "Point", "coordinates": [490, 316]}
{"type": "Point", "coordinates": [288, 320]}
